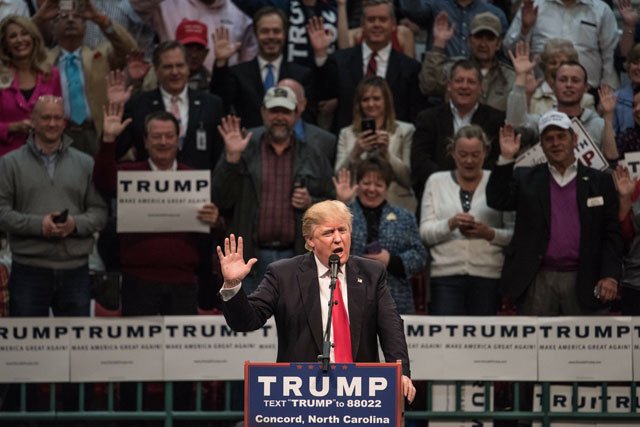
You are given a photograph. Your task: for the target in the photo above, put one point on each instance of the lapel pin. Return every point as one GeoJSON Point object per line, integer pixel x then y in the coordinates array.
{"type": "Point", "coordinates": [155, 102]}
{"type": "Point", "coordinates": [359, 280]}
{"type": "Point", "coordinates": [196, 102]}
{"type": "Point", "coordinates": [585, 178]}
{"type": "Point", "coordinates": [391, 216]}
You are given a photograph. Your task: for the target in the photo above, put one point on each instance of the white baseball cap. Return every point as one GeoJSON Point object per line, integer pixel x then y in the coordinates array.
{"type": "Point", "coordinates": [554, 118]}
{"type": "Point", "coordinates": [280, 97]}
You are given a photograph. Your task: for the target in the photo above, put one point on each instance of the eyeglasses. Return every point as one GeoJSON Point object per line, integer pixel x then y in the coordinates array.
{"type": "Point", "coordinates": [465, 200]}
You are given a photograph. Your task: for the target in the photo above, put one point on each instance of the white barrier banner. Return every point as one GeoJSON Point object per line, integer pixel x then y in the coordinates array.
{"type": "Point", "coordinates": [472, 399]}
{"type": "Point", "coordinates": [116, 349]}
{"type": "Point", "coordinates": [34, 351]}
{"type": "Point", "coordinates": [199, 348]}
{"type": "Point", "coordinates": [588, 400]}
{"type": "Point", "coordinates": [584, 349]}
{"type": "Point", "coordinates": [162, 201]}
{"type": "Point", "coordinates": [472, 348]}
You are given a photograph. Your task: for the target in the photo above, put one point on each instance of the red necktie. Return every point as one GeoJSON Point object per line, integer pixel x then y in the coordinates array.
{"type": "Point", "coordinates": [372, 65]}
{"type": "Point", "coordinates": [341, 331]}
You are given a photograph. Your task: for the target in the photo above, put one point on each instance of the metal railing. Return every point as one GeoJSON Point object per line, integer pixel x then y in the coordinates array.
{"type": "Point", "coordinates": [167, 414]}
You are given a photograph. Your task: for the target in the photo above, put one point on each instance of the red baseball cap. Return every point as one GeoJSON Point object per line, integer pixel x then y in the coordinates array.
{"type": "Point", "coordinates": [192, 31]}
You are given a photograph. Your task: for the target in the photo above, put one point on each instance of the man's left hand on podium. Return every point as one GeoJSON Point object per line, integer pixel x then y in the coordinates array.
{"type": "Point", "coordinates": [408, 390]}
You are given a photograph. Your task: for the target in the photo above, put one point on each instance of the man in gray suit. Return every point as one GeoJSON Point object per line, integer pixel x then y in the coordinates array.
{"type": "Point", "coordinates": [266, 179]}
{"type": "Point", "coordinates": [326, 142]}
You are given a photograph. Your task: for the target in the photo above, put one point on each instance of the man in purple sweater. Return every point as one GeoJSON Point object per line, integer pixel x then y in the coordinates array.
{"type": "Point", "coordinates": [565, 255]}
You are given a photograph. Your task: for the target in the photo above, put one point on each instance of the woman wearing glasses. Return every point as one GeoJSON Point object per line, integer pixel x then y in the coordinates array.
{"type": "Point", "coordinates": [465, 236]}
{"type": "Point", "coordinates": [24, 77]}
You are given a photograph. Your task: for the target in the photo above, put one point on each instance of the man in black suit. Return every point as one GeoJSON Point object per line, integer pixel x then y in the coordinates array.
{"type": "Point", "coordinates": [436, 126]}
{"type": "Point", "coordinates": [243, 86]}
{"type": "Point", "coordinates": [566, 252]}
{"type": "Point", "coordinates": [296, 292]}
{"type": "Point", "coordinates": [198, 112]}
{"type": "Point", "coordinates": [341, 72]}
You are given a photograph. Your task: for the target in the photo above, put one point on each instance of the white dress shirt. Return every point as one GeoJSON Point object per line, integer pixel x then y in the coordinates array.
{"type": "Point", "coordinates": [382, 59]}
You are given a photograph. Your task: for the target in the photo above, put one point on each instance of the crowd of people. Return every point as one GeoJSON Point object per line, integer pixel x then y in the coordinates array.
{"type": "Point", "coordinates": [289, 103]}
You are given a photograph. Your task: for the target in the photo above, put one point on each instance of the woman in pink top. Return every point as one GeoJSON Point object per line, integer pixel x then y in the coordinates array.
{"type": "Point", "coordinates": [24, 77]}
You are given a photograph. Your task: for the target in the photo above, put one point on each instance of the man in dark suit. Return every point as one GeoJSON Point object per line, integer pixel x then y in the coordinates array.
{"type": "Point", "coordinates": [436, 126]}
{"type": "Point", "coordinates": [296, 292]}
{"type": "Point", "coordinates": [243, 86]}
{"type": "Point", "coordinates": [324, 141]}
{"type": "Point", "coordinates": [199, 113]}
{"type": "Point", "coordinates": [565, 255]}
{"type": "Point", "coordinates": [341, 72]}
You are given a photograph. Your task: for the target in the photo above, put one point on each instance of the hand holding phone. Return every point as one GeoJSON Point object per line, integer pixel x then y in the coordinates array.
{"type": "Point", "coordinates": [368, 124]}
{"type": "Point", "coordinates": [61, 218]}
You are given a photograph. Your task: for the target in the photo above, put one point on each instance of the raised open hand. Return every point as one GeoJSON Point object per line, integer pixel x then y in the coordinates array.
{"type": "Point", "coordinates": [223, 47]}
{"type": "Point", "coordinates": [522, 63]}
{"type": "Point", "coordinates": [235, 140]}
{"type": "Point", "coordinates": [344, 190]}
{"type": "Point", "coordinates": [117, 92]}
{"type": "Point", "coordinates": [112, 121]}
{"type": "Point", "coordinates": [319, 37]}
{"type": "Point", "coordinates": [509, 142]}
{"type": "Point", "coordinates": [232, 264]}
{"type": "Point", "coordinates": [442, 30]}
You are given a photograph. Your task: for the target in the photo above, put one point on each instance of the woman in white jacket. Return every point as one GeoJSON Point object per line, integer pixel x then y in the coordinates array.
{"type": "Point", "coordinates": [375, 131]}
{"type": "Point", "coordinates": [465, 236]}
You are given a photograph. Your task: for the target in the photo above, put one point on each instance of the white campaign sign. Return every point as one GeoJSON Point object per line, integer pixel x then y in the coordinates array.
{"type": "Point", "coordinates": [116, 349]}
{"type": "Point", "coordinates": [32, 351]}
{"type": "Point", "coordinates": [204, 347]}
{"type": "Point", "coordinates": [471, 348]}
{"type": "Point", "coordinates": [632, 160]}
{"type": "Point", "coordinates": [162, 201]}
{"type": "Point", "coordinates": [584, 348]}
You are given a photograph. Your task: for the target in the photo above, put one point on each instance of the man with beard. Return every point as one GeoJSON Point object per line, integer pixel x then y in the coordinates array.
{"type": "Point", "coordinates": [266, 179]}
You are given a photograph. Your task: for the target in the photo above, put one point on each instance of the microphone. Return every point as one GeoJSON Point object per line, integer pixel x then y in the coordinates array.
{"type": "Point", "coordinates": [334, 263]}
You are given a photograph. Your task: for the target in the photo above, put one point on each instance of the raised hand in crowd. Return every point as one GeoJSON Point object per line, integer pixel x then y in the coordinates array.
{"type": "Point", "coordinates": [523, 65]}
{"type": "Point", "coordinates": [112, 124]}
{"type": "Point", "coordinates": [529, 16]}
{"type": "Point", "coordinates": [117, 90]}
{"type": "Point", "coordinates": [223, 47]}
{"type": "Point", "coordinates": [235, 139]}
{"type": "Point", "coordinates": [209, 214]}
{"type": "Point", "coordinates": [625, 185]}
{"type": "Point", "coordinates": [137, 66]}
{"type": "Point", "coordinates": [234, 268]}
{"type": "Point", "coordinates": [345, 191]}
{"type": "Point", "coordinates": [607, 100]}
{"type": "Point", "coordinates": [630, 17]}
{"type": "Point", "coordinates": [509, 142]}
{"type": "Point", "coordinates": [443, 31]}
{"type": "Point", "coordinates": [47, 11]}
{"type": "Point", "coordinates": [628, 13]}
{"type": "Point", "coordinates": [319, 36]}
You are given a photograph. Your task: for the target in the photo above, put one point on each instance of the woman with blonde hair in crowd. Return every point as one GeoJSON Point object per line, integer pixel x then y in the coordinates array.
{"type": "Point", "coordinates": [375, 131]}
{"type": "Point", "coordinates": [465, 236]}
{"type": "Point", "coordinates": [24, 77]}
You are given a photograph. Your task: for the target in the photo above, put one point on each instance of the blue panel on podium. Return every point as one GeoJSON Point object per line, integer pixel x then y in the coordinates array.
{"type": "Point", "coordinates": [350, 394]}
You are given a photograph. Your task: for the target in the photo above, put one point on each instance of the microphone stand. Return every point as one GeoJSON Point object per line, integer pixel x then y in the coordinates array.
{"type": "Point", "coordinates": [326, 342]}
